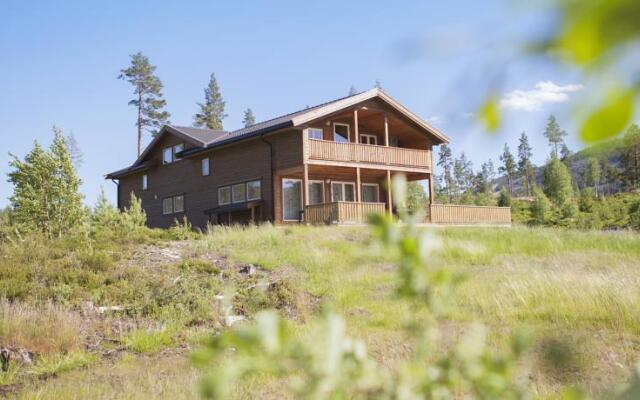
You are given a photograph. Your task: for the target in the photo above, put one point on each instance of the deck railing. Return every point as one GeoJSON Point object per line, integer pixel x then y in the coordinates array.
{"type": "Point", "coordinates": [341, 212]}
{"type": "Point", "coordinates": [365, 153]}
{"type": "Point", "coordinates": [463, 214]}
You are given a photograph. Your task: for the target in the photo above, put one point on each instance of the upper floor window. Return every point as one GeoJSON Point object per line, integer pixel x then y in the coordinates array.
{"type": "Point", "coordinates": [254, 190]}
{"type": "Point", "coordinates": [341, 132]}
{"type": "Point", "coordinates": [314, 133]}
{"type": "Point", "coordinates": [205, 166]}
{"type": "Point", "coordinates": [169, 153]}
{"type": "Point", "coordinates": [144, 182]}
{"type": "Point", "coordinates": [368, 139]}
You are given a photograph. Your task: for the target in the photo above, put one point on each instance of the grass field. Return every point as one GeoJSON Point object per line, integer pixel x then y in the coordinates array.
{"type": "Point", "coordinates": [577, 292]}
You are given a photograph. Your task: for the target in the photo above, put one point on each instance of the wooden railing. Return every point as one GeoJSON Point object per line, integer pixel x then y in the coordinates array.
{"type": "Point", "coordinates": [341, 212]}
{"type": "Point", "coordinates": [365, 153]}
{"type": "Point", "coordinates": [462, 214]}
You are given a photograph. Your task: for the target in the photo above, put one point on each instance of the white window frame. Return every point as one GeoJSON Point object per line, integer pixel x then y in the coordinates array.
{"type": "Point", "coordinates": [348, 130]}
{"type": "Point", "coordinates": [344, 183]}
{"type": "Point", "coordinates": [282, 196]}
{"type": "Point", "coordinates": [320, 182]}
{"type": "Point", "coordinates": [205, 163]}
{"type": "Point", "coordinates": [377, 191]}
{"type": "Point", "coordinates": [220, 189]}
{"type": "Point", "coordinates": [244, 198]}
{"type": "Point", "coordinates": [369, 136]}
{"type": "Point", "coordinates": [246, 190]}
{"type": "Point", "coordinates": [175, 210]}
{"type": "Point", "coordinates": [308, 131]}
{"type": "Point", "coordinates": [174, 151]}
{"type": "Point", "coordinates": [164, 155]}
{"type": "Point", "coordinates": [170, 198]}
{"type": "Point", "coordinates": [145, 182]}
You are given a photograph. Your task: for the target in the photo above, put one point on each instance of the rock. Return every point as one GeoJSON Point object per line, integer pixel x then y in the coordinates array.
{"type": "Point", "coordinates": [18, 354]}
{"type": "Point", "coordinates": [248, 269]}
{"type": "Point", "coordinates": [229, 320]}
{"type": "Point", "coordinates": [104, 309]}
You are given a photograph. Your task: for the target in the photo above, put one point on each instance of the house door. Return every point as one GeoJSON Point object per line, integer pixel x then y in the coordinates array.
{"type": "Point", "coordinates": [291, 199]}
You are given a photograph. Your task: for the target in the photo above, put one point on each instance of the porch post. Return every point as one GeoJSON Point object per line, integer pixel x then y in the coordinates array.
{"type": "Point", "coordinates": [305, 180]}
{"type": "Point", "coordinates": [389, 205]}
{"type": "Point", "coordinates": [386, 130]}
{"type": "Point", "coordinates": [431, 194]}
{"type": "Point", "coordinates": [355, 125]}
{"type": "Point", "coordinates": [359, 186]}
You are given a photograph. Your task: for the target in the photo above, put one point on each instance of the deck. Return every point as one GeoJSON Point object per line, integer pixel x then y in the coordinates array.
{"type": "Point", "coordinates": [341, 212]}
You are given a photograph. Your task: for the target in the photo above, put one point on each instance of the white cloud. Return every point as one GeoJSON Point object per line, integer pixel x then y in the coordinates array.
{"type": "Point", "coordinates": [433, 118]}
{"type": "Point", "coordinates": [543, 92]}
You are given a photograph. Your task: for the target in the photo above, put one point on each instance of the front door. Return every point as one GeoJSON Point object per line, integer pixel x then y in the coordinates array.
{"type": "Point", "coordinates": [291, 199]}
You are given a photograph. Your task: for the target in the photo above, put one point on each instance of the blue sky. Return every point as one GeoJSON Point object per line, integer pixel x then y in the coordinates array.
{"type": "Point", "coordinates": [59, 62]}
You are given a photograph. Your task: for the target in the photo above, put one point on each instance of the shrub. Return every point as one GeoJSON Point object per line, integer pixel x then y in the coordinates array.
{"type": "Point", "coordinates": [540, 207]}
{"type": "Point", "coordinates": [634, 215]}
{"type": "Point", "coordinates": [59, 363]}
{"type": "Point", "coordinates": [504, 199]}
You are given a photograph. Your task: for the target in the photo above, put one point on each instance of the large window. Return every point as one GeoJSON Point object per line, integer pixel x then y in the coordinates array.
{"type": "Point", "coordinates": [368, 139]}
{"type": "Point", "coordinates": [205, 166]}
{"type": "Point", "coordinates": [224, 195]}
{"type": "Point", "coordinates": [145, 182]}
{"type": "Point", "coordinates": [238, 193]}
{"type": "Point", "coordinates": [291, 199]}
{"type": "Point", "coordinates": [316, 192]}
{"type": "Point", "coordinates": [370, 193]}
{"type": "Point", "coordinates": [254, 190]}
{"type": "Point", "coordinates": [340, 132]}
{"type": "Point", "coordinates": [169, 153]}
{"type": "Point", "coordinates": [343, 191]}
{"type": "Point", "coordinates": [172, 205]}
{"type": "Point", "coordinates": [314, 133]}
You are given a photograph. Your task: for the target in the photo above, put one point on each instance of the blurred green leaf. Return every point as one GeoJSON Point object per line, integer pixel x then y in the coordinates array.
{"type": "Point", "coordinates": [610, 119]}
{"type": "Point", "coordinates": [489, 113]}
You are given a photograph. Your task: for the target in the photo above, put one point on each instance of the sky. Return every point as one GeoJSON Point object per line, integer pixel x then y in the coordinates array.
{"type": "Point", "coordinates": [59, 63]}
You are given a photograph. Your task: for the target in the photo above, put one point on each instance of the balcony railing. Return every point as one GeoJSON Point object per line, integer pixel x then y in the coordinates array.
{"type": "Point", "coordinates": [341, 212]}
{"type": "Point", "coordinates": [370, 154]}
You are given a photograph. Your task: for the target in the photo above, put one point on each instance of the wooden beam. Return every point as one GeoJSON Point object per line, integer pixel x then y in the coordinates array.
{"type": "Point", "coordinates": [305, 188]}
{"type": "Point", "coordinates": [431, 194]}
{"type": "Point", "coordinates": [358, 186]}
{"type": "Point", "coordinates": [386, 130]}
{"type": "Point", "coordinates": [355, 125]}
{"type": "Point", "coordinates": [389, 204]}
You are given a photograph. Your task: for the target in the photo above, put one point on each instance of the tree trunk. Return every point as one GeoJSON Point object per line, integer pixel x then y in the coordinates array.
{"type": "Point", "coordinates": [139, 123]}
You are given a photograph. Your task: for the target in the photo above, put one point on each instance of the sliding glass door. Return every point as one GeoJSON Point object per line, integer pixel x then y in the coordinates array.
{"type": "Point", "coordinates": [291, 199]}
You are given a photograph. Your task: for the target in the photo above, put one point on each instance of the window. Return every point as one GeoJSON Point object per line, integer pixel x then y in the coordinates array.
{"type": "Point", "coordinates": [238, 193]}
{"type": "Point", "coordinates": [314, 133]}
{"type": "Point", "coordinates": [254, 190]}
{"type": "Point", "coordinates": [171, 205]}
{"type": "Point", "coordinates": [224, 195]}
{"type": "Point", "coordinates": [178, 204]}
{"type": "Point", "coordinates": [370, 193]}
{"type": "Point", "coordinates": [291, 199]}
{"type": "Point", "coordinates": [316, 192]}
{"type": "Point", "coordinates": [368, 139]}
{"type": "Point", "coordinates": [343, 191]}
{"type": "Point", "coordinates": [167, 205]}
{"type": "Point", "coordinates": [144, 182]}
{"type": "Point", "coordinates": [340, 132]}
{"type": "Point", "coordinates": [205, 167]}
{"type": "Point", "coordinates": [169, 153]}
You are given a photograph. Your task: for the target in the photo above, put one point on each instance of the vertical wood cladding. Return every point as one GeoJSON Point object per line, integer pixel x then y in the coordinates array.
{"type": "Point", "coordinates": [240, 162]}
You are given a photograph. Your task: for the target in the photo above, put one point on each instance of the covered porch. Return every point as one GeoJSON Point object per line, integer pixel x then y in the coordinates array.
{"type": "Point", "coordinates": [323, 194]}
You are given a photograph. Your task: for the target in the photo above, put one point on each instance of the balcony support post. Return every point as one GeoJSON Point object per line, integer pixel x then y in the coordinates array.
{"type": "Point", "coordinates": [386, 130]}
{"type": "Point", "coordinates": [305, 184]}
{"type": "Point", "coordinates": [431, 194]}
{"type": "Point", "coordinates": [358, 186]}
{"type": "Point", "coordinates": [355, 125]}
{"type": "Point", "coordinates": [389, 204]}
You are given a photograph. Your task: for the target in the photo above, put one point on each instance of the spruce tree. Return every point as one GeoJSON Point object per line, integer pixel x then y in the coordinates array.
{"type": "Point", "coordinates": [463, 174]}
{"type": "Point", "coordinates": [212, 110]}
{"type": "Point", "coordinates": [631, 156]}
{"type": "Point", "coordinates": [445, 161]}
{"type": "Point", "coordinates": [508, 167]}
{"type": "Point", "coordinates": [525, 167]}
{"type": "Point", "coordinates": [148, 92]}
{"type": "Point", "coordinates": [554, 134]}
{"type": "Point", "coordinates": [248, 119]}
{"type": "Point", "coordinates": [46, 193]}
{"type": "Point", "coordinates": [594, 173]}
{"type": "Point", "coordinates": [540, 206]}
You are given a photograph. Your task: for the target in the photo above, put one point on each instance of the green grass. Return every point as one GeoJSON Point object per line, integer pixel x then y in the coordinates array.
{"type": "Point", "coordinates": [60, 363]}
{"type": "Point", "coordinates": [147, 342]}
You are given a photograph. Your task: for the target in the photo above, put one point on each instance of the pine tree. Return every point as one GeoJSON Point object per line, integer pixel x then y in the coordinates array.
{"type": "Point", "coordinates": [74, 150]}
{"type": "Point", "coordinates": [631, 156]}
{"type": "Point", "coordinates": [46, 193]}
{"type": "Point", "coordinates": [565, 155]}
{"type": "Point", "coordinates": [540, 206]}
{"type": "Point", "coordinates": [558, 187]}
{"type": "Point", "coordinates": [416, 197]}
{"type": "Point", "coordinates": [594, 173]}
{"type": "Point", "coordinates": [504, 199]}
{"type": "Point", "coordinates": [352, 90]}
{"type": "Point", "coordinates": [554, 134]}
{"type": "Point", "coordinates": [525, 167]}
{"type": "Point", "coordinates": [248, 119]}
{"type": "Point", "coordinates": [484, 177]}
{"type": "Point", "coordinates": [212, 110]}
{"type": "Point", "coordinates": [463, 174]}
{"type": "Point", "coordinates": [148, 100]}
{"type": "Point", "coordinates": [508, 167]}
{"type": "Point", "coordinates": [445, 161]}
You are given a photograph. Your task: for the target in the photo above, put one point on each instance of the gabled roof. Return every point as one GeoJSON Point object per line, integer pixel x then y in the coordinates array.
{"type": "Point", "coordinates": [205, 139]}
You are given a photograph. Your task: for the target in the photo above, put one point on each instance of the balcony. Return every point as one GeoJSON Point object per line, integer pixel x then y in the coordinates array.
{"type": "Point", "coordinates": [341, 212]}
{"type": "Point", "coordinates": [352, 153]}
